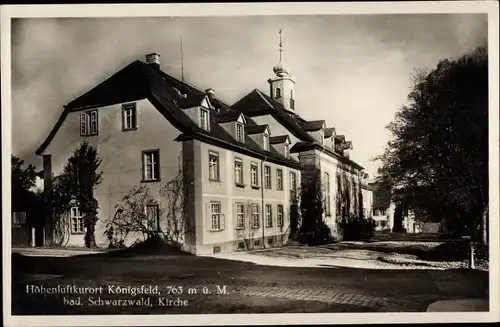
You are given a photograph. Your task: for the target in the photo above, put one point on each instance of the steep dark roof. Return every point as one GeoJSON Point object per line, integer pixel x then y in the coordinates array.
{"type": "Point", "coordinates": [329, 132]}
{"type": "Point", "coordinates": [306, 146]}
{"type": "Point", "coordinates": [128, 84]}
{"type": "Point", "coordinates": [257, 103]}
{"type": "Point", "coordinates": [347, 145]}
{"type": "Point", "coordinates": [193, 100]}
{"type": "Point", "coordinates": [256, 129]}
{"type": "Point", "coordinates": [339, 139]}
{"type": "Point", "coordinates": [279, 139]}
{"type": "Point", "coordinates": [227, 116]}
{"type": "Point", "coordinates": [151, 83]}
{"type": "Point", "coordinates": [314, 125]}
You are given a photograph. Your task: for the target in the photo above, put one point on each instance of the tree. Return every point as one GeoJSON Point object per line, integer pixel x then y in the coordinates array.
{"type": "Point", "coordinates": [437, 159]}
{"type": "Point", "coordinates": [23, 199]}
{"type": "Point", "coordinates": [77, 182]}
{"type": "Point", "coordinates": [22, 180]}
{"type": "Point", "coordinates": [313, 229]}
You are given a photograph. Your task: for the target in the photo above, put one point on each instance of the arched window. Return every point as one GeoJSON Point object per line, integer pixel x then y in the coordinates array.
{"type": "Point", "coordinates": [278, 93]}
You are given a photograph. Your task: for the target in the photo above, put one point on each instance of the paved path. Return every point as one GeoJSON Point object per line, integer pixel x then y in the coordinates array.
{"type": "Point", "coordinates": [330, 296]}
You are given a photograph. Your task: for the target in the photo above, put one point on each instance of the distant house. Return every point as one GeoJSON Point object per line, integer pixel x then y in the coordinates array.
{"type": "Point", "coordinates": [367, 193]}
{"type": "Point", "coordinates": [242, 161]}
{"type": "Point", "coordinates": [384, 210]}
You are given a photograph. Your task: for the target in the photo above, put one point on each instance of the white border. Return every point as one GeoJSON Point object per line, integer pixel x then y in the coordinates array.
{"type": "Point", "coordinates": [244, 9]}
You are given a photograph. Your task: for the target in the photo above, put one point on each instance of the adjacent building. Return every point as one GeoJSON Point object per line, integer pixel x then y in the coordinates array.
{"type": "Point", "coordinates": [241, 164]}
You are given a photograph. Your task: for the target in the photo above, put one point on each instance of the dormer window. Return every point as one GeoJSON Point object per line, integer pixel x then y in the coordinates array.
{"type": "Point", "coordinates": [204, 119]}
{"type": "Point", "coordinates": [266, 142]}
{"type": "Point", "coordinates": [287, 151]}
{"type": "Point", "coordinates": [240, 132]}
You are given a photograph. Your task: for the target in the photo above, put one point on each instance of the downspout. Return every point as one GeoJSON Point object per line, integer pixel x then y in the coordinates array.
{"type": "Point", "coordinates": [262, 197]}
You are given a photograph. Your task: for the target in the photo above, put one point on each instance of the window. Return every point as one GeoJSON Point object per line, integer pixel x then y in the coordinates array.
{"type": "Point", "coordinates": [204, 119]}
{"type": "Point", "coordinates": [266, 142]}
{"type": "Point", "coordinates": [152, 217]}
{"type": "Point", "coordinates": [292, 101]}
{"type": "Point", "coordinates": [254, 177]}
{"type": "Point", "coordinates": [238, 172]}
{"type": "Point", "coordinates": [213, 166]}
{"type": "Point", "coordinates": [269, 215]}
{"type": "Point", "coordinates": [279, 179]}
{"type": "Point", "coordinates": [287, 151]}
{"type": "Point", "coordinates": [382, 212]}
{"type": "Point", "coordinates": [375, 212]}
{"type": "Point", "coordinates": [278, 93]}
{"type": "Point", "coordinates": [216, 216]}
{"type": "Point", "coordinates": [151, 165]}
{"type": "Point", "coordinates": [280, 215]}
{"type": "Point", "coordinates": [240, 134]}
{"type": "Point", "coordinates": [267, 176]}
{"type": "Point", "coordinates": [76, 221]}
{"type": "Point", "coordinates": [129, 116]}
{"type": "Point", "coordinates": [383, 223]}
{"type": "Point", "coordinates": [255, 216]}
{"type": "Point", "coordinates": [240, 216]}
{"type": "Point", "coordinates": [293, 184]}
{"type": "Point", "coordinates": [88, 123]}
{"type": "Point", "coordinates": [327, 194]}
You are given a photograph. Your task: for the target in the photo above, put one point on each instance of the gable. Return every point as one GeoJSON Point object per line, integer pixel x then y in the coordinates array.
{"type": "Point", "coordinates": [206, 103]}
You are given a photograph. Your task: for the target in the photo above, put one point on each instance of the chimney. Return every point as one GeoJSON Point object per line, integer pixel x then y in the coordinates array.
{"type": "Point", "coordinates": [153, 59]}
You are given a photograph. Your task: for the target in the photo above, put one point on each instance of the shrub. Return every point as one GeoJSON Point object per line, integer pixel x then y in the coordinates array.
{"type": "Point", "coordinates": [368, 227]}
{"type": "Point", "coordinates": [350, 227]}
{"type": "Point", "coordinates": [320, 235]}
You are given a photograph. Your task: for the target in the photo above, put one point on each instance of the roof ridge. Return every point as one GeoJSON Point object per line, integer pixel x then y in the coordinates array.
{"type": "Point", "coordinates": [259, 92]}
{"type": "Point", "coordinates": [197, 88]}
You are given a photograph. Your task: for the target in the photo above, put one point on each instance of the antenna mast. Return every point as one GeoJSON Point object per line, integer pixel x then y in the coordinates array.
{"type": "Point", "coordinates": [182, 63]}
{"type": "Point", "coordinates": [281, 43]}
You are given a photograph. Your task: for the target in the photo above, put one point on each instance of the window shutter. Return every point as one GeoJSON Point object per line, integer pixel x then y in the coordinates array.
{"type": "Point", "coordinates": [222, 220]}
{"type": "Point", "coordinates": [208, 217]}
{"type": "Point", "coordinates": [93, 115]}
{"type": "Point", "coordinates": [83, 124]}
{"type": "Point", "coordinates": [235, 216]}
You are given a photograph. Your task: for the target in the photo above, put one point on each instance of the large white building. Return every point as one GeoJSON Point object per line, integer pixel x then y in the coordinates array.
{"type": "Point", "coordinates": [243, 162]}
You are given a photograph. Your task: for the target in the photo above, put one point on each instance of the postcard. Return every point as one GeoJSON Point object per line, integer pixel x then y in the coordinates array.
{"type": "Point", "coordinates": [250, 163]}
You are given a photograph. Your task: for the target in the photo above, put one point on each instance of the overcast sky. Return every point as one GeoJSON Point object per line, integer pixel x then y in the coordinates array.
{"type": "Point", "coordinates": [352, 70]}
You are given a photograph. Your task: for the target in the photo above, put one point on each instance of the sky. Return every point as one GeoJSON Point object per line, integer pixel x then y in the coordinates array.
{"type": "Point", "coordinates": [354, 71]}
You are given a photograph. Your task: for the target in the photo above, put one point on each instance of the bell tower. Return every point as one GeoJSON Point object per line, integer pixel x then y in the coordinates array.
{"type": "Point", "coordinates": [282, 83]}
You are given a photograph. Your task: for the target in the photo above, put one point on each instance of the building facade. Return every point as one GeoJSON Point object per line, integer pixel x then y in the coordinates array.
{"type": "Point", "coordinates": [240, 165]}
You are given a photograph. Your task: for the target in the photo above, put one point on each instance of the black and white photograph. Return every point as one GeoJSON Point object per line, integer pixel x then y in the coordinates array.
{"type": "Point", "coordinates": [301, 163]}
